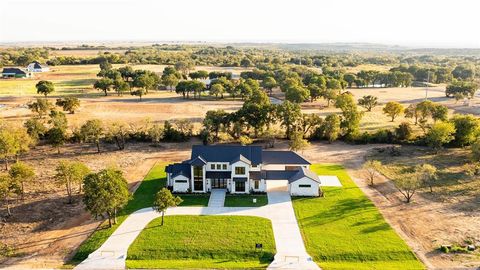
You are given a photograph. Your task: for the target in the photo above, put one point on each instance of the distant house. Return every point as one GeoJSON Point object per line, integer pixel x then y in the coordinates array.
{"type": "Point", "coordinates": [242, 169]}
{"type": "Point", "coordinates": [15, 73]}
{"type": "Point", "coordinates": [37, 67]}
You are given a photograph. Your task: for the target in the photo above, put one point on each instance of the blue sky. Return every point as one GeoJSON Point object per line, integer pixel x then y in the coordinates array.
{"type": "Point", "coordinates": [423, 23]}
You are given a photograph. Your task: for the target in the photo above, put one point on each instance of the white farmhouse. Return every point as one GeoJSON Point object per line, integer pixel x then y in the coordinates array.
{"type": "Point", "coordinates": [37, 67]}
{"type": "Point", "coordinates": [242, 169]}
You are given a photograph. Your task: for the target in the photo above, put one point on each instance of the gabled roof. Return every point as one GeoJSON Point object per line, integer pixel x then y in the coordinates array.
{"type": "Point", "coordinates": [304, 173]}
{"type": "Point", "coordinates": [227, 153]}
{"type": "Point", "coordinates": [37, 64]}
{"type": "Point", "coordinates": [240, 158]}
{"type": "Point", "coordinates": [198, 161]}
{"type": "Point", "coordinates": [283, 157]}
{"type": "Point", "coordinates": [14, 70]}
{"type": "Point", "coordinates": [177, 169]}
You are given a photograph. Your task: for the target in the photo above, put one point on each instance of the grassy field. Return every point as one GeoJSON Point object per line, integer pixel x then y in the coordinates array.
{"type": "Point", "coordinates": [194, 199]}
{"type": "Point", "coordinates": [143, 197]}
{"type": "Point", "coordinates": [344, 230]}
{"type": "Point", "coordinates": [245, 200]}
{"type": "Point", "coordinates": [203, 242]}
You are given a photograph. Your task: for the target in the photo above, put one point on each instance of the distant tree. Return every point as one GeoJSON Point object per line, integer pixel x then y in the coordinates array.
{"type": "Point", "coordinates": [329, 95]}
{"type": "Point", "coordinates": [297, 94]}
{"type": "Point", "coordinates": [371, 170]}
{"type": "Point", "coordinates": [467, 129]}
{"type": "Point", "coordinates": [331, 127]}
{"type": "Point", "coordinates": [289, 115]}
{"type": "Point", "coordinates": [368, 102]}
{"type": "Point", "coordinates": [56, 137]}
{"type": "Point", "coordinates": [245, 140]}
{"type": "Point", "coordinates": [184, 67]}
{"type": "Point", "coordinates": [464, 72]}
{"type": "Point", "coordinates": [217, 89]}
{"type": "Point", "coordinates": [476, 150]}
{"type": "Point", "coordinates": [120, 86]}
{"type": "Point", "coordinates": [40, 106]}
{"type": "Point", "coordinates": [146, 80]}
{"type": "Point", "coordinates": [408, 184]}
{"type": "Point", "coordinates": [105, 193]}
{"type": "Point", "coordinates": [170, 81]}
{"type": "Point", "coordinates": [404, 131]}
{"type": "Point", "coordinates": [45, 87]}
{"type": "Point", "coordinates": [70, 173]}
{"type": "Point", "coordinates": [105, 65]}
{"type": "Point", "coordinates": [393, 109]}
{"type": "Point", "coordinates": [104, 84]}
{"type": "Point", "coordinates": [245, 62]}
{"type": "Point", "coordinates": [351, 116]}
{"type": "Point", "coordinates": [268, 84]}
{"type": "Point", "coordinates": [214, 121]}
{"type": "Point", "coordinates": [164, 199]}
{"type": "Point", "coordinates": [58, 119]}
{"type": "Point", "coordinates": [92, 131]}
{"type": "Point", "coordinates": [35, 129]}
{"type": "Point", "coordinates": [465, 88]}
{"type": "Point", "coordinates": [21, 173]}
{"type": "Point", "coordinates": [427, 174]}
{"type": "Point", "coordinates": [8, 188]}
{"type": "Point", "coordinates": [118, 132]}
{"type": "Point", "coordinates": [350, 79]}
{"type": "Point", "coordinates": [139, 93]}
{"type": "Point", "coordinates": [69, 104]}
{"type": "Point", "coordinates": [439, 112]}
{"type": "Point", "coordinates": [13, 141]}
{"type": "Point", "coordinates": [297, 142]}
{"type": "Point", "coordinates": [156, 133]}
{"type": "Point", "coordinates": [439, 134]}
{"type": "Point", "coordinates": [412, 112]}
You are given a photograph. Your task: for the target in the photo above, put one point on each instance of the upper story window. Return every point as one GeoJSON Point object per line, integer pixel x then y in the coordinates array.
{"type": "Point", "coordinates": [197, 172]}
{"type": "Point", "coordinates": [224, 166]}
{"type": "Point", "coordinates": [239, 170]}
{"type": "Point", "coordinates": [212, 166]}
{"type": "Point", "coordinates": [219, 166]}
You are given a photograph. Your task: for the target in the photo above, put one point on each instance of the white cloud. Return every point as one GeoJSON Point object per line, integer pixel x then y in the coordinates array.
{"type": "Point", "coordinates": [403, 22]}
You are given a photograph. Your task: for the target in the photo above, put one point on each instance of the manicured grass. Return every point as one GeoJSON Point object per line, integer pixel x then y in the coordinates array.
{"type": "Point", "coordinates": [203, 242]}
{"type": "Point", "coordinates": [143, 197]}
{"type": "Point", "coordinates": [245, 200]}
{"type": "Point", "coordinates": [344, 230]}
{"type": "Point", "coordinates": [194, 199]}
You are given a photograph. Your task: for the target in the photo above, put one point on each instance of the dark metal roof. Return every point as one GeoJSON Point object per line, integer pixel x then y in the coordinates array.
{"type": "Point", "coordinates": [226, 153]}
{"type": "Point", "coordinates": [177, 169]}
{"type": "Point", "coordinates": [240, 158]}
{"type": "Point", "coordinates": [283, 157]}
{"type": "Point", "coordinates": [198, 161]}
{"type": "Point", "coordinates": [13, 70]}
{"type": "Point", "coordinates": [37, 64]}
{"type": "Point", "coordinates": [278, 175]}
{"type": "Point", "coordinates": [304, 173]}
{"type": "Point", "coordinates": [239, 179]}
{"type": "Point", "coordinates": [218, 174]}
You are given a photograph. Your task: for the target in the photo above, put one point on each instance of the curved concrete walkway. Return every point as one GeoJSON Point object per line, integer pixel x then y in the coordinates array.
{"type": "Point", "coordinates": [291, 253]}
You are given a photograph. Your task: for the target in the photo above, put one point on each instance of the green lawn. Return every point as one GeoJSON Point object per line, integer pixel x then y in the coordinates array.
{"type": "Point", "coordinates": [194, 199]}
{"type": "Point", "coordinates": [143, 197]}
{"type": "Point", "coordinates": [245, 200]}
{"type": "Point", "coordinates": [203, 242]}
{"type": "Point", "coordinates": [344, 230]}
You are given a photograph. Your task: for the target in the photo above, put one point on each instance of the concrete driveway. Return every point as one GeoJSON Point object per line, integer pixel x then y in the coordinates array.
{"type": "Point", "coordinates": [291, 253]}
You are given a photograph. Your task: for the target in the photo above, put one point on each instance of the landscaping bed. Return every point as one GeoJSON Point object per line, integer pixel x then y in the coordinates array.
{"type": "Point", "coordinates": [344, 230]}
{"type": "Point", "coordinates": [246, 200]}
{"type": "Point", "coordinates": [203, 242]}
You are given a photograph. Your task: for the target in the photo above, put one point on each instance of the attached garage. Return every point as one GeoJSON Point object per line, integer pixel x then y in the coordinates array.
{"type": "Point", "coordinates": [277, 185]}
{"type": "Point", "coordinates": [304, 187]}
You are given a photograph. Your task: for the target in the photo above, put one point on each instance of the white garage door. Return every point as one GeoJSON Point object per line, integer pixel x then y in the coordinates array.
{"type": "Point", "coordinates": [277, 185]}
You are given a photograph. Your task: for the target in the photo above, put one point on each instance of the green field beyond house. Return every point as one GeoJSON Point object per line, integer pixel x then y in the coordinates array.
{"type": "Point", "coordinates": [203, 242]}
{"type": "Point", "coordinates": [344, 230]}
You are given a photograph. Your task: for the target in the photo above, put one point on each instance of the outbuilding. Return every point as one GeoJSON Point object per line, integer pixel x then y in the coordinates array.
{"type": "Point", "coordinates": [14, 73]}
{"type": "Point", "coordinates": [35, 66]}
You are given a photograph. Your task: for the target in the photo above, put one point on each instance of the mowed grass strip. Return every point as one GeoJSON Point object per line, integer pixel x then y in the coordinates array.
{"type": "Point", "coordinates": [344, 230]}
{"type": "Point", "coordinates": [143, 197]}
{"type": "Point", "coordinates": [194, 199]}
{"type": "Point", "coordinates": [245, 200]}
{"type": "Point", "coordinates": [203, 242]}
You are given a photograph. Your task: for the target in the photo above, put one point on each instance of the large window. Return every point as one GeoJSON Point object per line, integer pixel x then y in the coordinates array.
{"type": "Point", "coordinates": [197, 172]}
{"type": "Point", "coordinates": [239, 170]}
{"type": "Point", "coordinates": [240, 186]}
{"type": "Point", "coordinates": [256, 184]}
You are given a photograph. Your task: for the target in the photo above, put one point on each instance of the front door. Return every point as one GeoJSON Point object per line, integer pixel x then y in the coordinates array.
{"type": "Point", "coordinates": [219, 183]}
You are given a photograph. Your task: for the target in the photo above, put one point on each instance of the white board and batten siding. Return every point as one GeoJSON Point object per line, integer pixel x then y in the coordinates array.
{"type": "Point", "coordinates": [180, 184]}
{"type": "Point", "coordinates": [304, 187]}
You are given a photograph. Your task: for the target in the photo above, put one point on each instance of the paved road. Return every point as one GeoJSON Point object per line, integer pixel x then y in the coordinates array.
{"type": "Point", "coordinates": [291, 253]}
